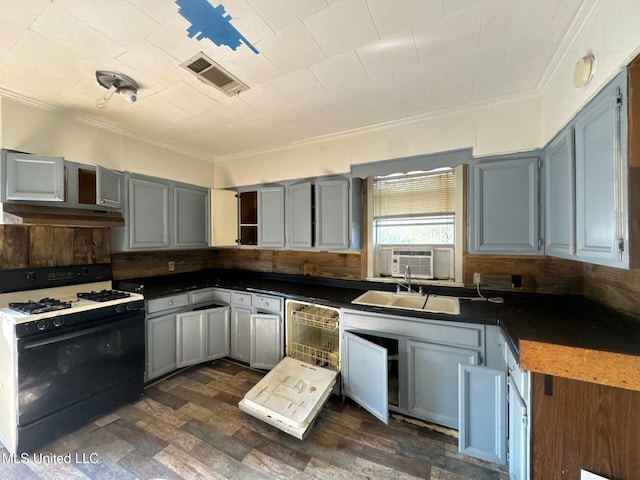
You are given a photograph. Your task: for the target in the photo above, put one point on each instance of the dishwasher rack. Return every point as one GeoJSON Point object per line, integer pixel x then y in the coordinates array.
{"type": "Point", "coordinates": [314, 334]}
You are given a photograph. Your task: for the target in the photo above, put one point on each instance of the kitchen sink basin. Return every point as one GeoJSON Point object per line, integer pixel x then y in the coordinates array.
{"type": "Point", "coordinates": [410, 301]}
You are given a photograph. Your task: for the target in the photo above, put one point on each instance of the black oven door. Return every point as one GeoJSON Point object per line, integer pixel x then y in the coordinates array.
{"type": "Point", "coordinates": [59, 369]}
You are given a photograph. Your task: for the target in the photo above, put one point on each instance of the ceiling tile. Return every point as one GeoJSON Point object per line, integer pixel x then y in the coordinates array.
{"type": "Point", "coordinates": [264, 98]}
{"type": "Point", "coordinates": [424, 77]}
{"type": "Point", "coordinates": [339, 72]}
{"type": "Point", "coordinates": [117, 20]}
{"type": "Point", "coordinates": [506, 81]}
{"type": "Point", "coordinates": [343, 26]}
{"type": "Point", "coordinates": [336, 102]}
{"type": "Point", "coordinates": [393, 17]}
{"type": "Point", "coordinates": [450, 96]}
{"type": "Point", "coordinates": [14, 19]}
{"type": "Point", "coordinates": [158, 11]}
{"type": "Point", "coordinates": [454, 6]}
{"type": "Point", "coordinates": [291, 49]}
{"type": "Point", "coordinates": [484, 61]}
{"type": "Point", "coordinates": [280, 13]}
{"type": "Point", "coordinates": [299, 86]}
{"type": "Point", "coordinates": [187, 98]}
{"type": "Point", "coordinates": [457, 33]}
{"type": "Point", "coordinates": [406, 105]}
{"type": "Point", "coordinates": [389, 55]}
{"type": "Point", "coordinates": [246, 20]}
{"type": "Point", "coordinates": [155, 63]}
{"type": "Point", "coordinates": [375, 91]}
{"type": "Point", "coordinates": [61, 27]}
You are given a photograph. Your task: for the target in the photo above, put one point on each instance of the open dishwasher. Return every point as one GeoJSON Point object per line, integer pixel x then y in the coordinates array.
{"type": "Point", "coordinates": [292, 394]}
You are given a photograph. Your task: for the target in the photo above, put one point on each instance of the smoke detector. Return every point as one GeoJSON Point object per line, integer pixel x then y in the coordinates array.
{"type": "Point", "coordinates": [213, 74]}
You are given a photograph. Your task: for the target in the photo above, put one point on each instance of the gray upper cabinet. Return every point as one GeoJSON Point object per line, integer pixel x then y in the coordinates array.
{"type": "Point", "coordinates": [601, 177]}
{"type": "Point", "coordinates": [504, 207]}
{"type": "Point", "coordinates": [191, 207]}
{"type": "Point", "coordinates": [163, 214]}
{"type": "Point", "coordinates": [271, 217]}
{"type": "Point", "coordinates": [299, 215]}
{"type": "Point", "coordinates": [559, 169]}
{"type": "Point", "coordinates": [109, 191]}
{"type": "Point", "coordinates": [148, 213]}
{"type": "Point", "coordinates": [332, 214]}
{"type": "Point", "coordinates": [33, 177]}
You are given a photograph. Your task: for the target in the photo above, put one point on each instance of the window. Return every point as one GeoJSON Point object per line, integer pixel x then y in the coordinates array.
{"type": "Point", "coordinates": [415, 211]}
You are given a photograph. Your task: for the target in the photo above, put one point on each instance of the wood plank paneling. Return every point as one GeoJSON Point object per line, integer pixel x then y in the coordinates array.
{"type": "Point", "coordinates": [41, 246]}
{"type": "Point", "coordinates": [614, 287]}
{"type": "Point", "coordinates": [540, 274]}
{"type": "Point", "coordinates": [101, 245]}
{"type": "Point", "coordinates": [82, 246]}
{"type": "Point", "coordinates": [584, 425]}
{"type": "Point", "coordinates": [15, 247]}
{"type": "Point", "coordinates": [63, 246]}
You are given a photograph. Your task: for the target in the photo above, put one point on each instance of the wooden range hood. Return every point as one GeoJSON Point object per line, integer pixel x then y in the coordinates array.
{"type": "Point", "coordinates": [17, 213]}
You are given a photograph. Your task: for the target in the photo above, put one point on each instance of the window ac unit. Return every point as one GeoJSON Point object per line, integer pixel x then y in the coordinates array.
{"type": "Point", "coordinates": [420, 263]}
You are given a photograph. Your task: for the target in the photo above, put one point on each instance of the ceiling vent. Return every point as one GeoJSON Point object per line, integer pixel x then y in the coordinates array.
{"type": "Point", "coordinates": [210, 72]}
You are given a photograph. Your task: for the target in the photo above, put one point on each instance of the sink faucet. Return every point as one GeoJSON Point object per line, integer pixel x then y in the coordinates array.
{"type": "Point", "coordinates": [407, 277]}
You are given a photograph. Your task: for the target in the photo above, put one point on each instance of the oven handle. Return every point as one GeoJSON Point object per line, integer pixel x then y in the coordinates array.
{"type": "Point", "coordinates": [80, 333]}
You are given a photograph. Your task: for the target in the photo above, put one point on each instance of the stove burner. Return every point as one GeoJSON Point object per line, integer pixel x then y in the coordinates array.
{"type": "Point", "coordinates": [41, 306]}
{"type": "Point", "coordinates": [103, 295]}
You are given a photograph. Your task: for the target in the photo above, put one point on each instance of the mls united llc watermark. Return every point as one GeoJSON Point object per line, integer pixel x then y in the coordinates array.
{"type": "Point", "coordinates": [50, 458]}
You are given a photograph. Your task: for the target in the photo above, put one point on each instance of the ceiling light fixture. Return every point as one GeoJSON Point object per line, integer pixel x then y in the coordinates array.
{"type": "Point", "coordinates": [116, 82]}
{"type": "Point", "coordinates": [583, 70]}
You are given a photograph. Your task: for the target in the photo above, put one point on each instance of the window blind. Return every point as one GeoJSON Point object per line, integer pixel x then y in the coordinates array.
{"type": "Point", "coordinates": [424, 194]}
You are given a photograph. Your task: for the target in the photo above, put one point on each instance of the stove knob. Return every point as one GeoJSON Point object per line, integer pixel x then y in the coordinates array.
{"type": "Point", "coordinates": [119, 308]}
{"type": "Point", "coordinates": [58, 322]}
{"type": "Point", "coordinates": [42, 324]}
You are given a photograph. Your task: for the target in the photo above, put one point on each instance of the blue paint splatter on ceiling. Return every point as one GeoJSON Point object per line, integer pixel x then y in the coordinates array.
{"type": "Point", "coordinates": [211, 22]}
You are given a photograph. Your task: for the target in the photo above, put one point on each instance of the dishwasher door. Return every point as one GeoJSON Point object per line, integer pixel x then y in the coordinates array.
{"type": "Point", "coordinates": [290, 396]}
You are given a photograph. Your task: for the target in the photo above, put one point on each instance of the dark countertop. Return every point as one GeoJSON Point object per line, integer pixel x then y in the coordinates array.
{"type": "Point", "coordinates": [567, 320]}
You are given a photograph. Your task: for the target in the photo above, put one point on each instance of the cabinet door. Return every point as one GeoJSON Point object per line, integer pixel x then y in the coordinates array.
{"type": "Point", "coordinates": [504, 209]}
{"type": "Point", "coordinates": [271, 217]}
{"type": "Point", "coordinates": [432, 380]}
{"type": "Point", "coordinates": [241, 334]}
{"type": "Point", "coordinates": [560, 196]}
{"type": "Point", "coordinates": [34, 178]}
{"type": "Point", "coordinates": [482, 411]}
{"type": "Point", "coordinates": [161, 346]}
{"type": "Point", "coordinates": [601, 168]}
{"type": "Point", "coordinates": [109, 188]}
{"type": "Point", "coordinates": [190, 338]}
{"type": "Point", "coordinates": [190, 216]}
{"type": "Point", "coordinates": [299, 218]}
{"type": "Point", "coordinates": [332, 214]}
{"type": "Point", "coordinates": [364, 374]}
{"type": "Point", "coordinates": [224, 218]}
{"type": "Point", "coordinates": [266, 340]}
{"type": "Point", "coordinates": [148, 213]}
{"type": "Point", "coordinates": [518, 436]}
{"type": "Point", "coordinates": [217, 332]}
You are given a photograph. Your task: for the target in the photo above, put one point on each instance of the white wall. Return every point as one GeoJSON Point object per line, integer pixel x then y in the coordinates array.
{"type": "Point", "coordinates": [46, 132]}
{"type": "Point", "coordinates": [611, 32]}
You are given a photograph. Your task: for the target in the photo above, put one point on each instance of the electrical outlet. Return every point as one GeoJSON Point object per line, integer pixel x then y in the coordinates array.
{"type": "Point", "coordinates": [172, 266]}
{"type": "Point", "coordinates": [477, 278]}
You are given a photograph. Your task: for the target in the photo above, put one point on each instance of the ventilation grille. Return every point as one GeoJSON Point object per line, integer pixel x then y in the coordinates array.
{"type": "Point", "coordinates": [213, 74]}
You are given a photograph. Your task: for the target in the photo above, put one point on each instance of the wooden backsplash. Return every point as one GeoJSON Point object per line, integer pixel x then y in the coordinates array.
{"type": "Point", "coordinates": [25, 246]}
{"type": "Point", "coordinates": [344, 265]}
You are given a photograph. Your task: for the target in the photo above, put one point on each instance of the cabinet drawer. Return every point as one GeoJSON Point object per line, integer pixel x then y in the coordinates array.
{"type": "Point", "coordinates": [519, 378]}
{"type": "Point", "coordinates": [243, 299]}
{"type": "Point", "coordinates": [204, 296]}
{"type": "Point", "coordinates": [167, 303]}
{"type": "Point", "coordinates": [270, 304]}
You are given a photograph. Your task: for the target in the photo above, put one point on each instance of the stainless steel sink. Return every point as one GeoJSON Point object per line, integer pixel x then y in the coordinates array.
{"type": "Point", "coordinates": [410, 301]}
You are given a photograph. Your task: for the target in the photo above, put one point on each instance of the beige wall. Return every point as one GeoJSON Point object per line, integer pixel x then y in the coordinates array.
{"type": "Point", "coordinates": [46, 132]}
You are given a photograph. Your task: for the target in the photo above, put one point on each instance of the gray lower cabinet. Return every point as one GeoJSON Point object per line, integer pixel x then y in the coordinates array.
{"type": "Point", "coordinates": [518, 436]}
{"type": "Point", "coordinates": [161, 346]}
{"type": "Point", "coordinates": [504, 206]}
{"type": "Point", "coordinates": [202, 335]}
{"type": "Point", "coordinates": [482, 413]}
{"type": "Point", "coordinates": [364, 374]}
{"type": "Point", "coordinates": [240, 333]}
{"type": "Point", "coordinates": [32, 177]}
{"type": "Point", "coordinates": [433, 395]}
{"type": "Point", "coordinates": [266, 340]}
{"type": "Point", "coordinates": [271, 217]}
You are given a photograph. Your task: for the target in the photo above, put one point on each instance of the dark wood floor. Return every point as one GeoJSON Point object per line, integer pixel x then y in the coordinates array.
{"type": "Point", "coordinates": [189, 427]}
